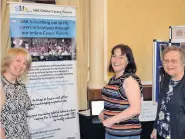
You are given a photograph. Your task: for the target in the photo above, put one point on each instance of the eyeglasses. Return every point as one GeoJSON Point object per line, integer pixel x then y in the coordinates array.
{"type": "Point", "coordinates": [173, 61]}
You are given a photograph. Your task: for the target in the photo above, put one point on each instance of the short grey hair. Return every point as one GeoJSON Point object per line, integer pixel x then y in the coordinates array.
{"type": "Point", "coordinates": [177, 49]}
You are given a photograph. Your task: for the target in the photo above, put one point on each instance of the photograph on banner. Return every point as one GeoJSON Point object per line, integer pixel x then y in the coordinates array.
{"type": "Point", "coordinates": [162, 47]}
{"type": "Point", "coordinates": [49, 35]}
{"type": "Point", "coordinates": [158, 71]}
{"type": "Point", "coordinates": [47, 49]}
{"type": "Point", "coordinates": [161, 69]}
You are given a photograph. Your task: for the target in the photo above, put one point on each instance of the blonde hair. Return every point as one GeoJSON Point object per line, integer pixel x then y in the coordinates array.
{"type": "Point", "coordinates": [177, 49]}
{"type": "Point", "coordinates": [11, 54]}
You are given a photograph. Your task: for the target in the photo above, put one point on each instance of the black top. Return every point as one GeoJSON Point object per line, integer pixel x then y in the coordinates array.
{"type": "Point", "coordinates": [176, 107]}
{"type": "Point", "coordinates": [163, 123]}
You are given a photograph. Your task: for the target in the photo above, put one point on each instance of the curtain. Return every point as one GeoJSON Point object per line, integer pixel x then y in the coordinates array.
{"type": "Point", "coordinates": [5, 28]}
{"type": "Point", "coordinates": [82, 39]}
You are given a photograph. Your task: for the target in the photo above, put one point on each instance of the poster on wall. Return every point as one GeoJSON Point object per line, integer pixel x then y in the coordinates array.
{"type": "Point", "coordinates": [158, 70]}
{"type": "Point", "coordinates": [177, 36]}
{"type": "Point", "coordinates": [177, 33]}
{"type": "Point", "coordinates": [48, 33]}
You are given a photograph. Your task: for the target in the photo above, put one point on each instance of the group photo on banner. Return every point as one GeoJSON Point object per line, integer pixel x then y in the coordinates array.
{"type": "Point", "coordinates": [158, 70]}
{"type": "Point", "coordinates": [48, 33]}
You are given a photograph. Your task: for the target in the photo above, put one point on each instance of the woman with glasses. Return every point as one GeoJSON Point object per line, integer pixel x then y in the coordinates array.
{"type": "Point", "coordinates": [170, 120]}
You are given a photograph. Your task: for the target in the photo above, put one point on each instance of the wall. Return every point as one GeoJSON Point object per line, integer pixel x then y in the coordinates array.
{"type": "Point", "coordinates": [137, 23]}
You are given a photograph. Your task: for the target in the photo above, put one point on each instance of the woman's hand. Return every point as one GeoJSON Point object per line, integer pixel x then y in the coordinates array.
{"type": "Point", "coordinates": [153, 134]}
{"type": "Point", "coordinates": [101, 116]}
{"type": "Point", "coordinates": [2, 134]}
{"type": "Point", "coordinates": [108, 122]}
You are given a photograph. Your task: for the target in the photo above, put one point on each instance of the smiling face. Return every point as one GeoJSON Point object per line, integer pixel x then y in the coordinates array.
{"type": "Point", "coordinates": [17, 66]}
{"type": "Point", "coordinates": [173, 64]}
{"type": "Point", "coordinates": [119, 62]}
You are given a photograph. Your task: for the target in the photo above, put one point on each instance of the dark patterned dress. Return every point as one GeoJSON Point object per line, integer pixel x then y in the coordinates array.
{"type": "Point", "coordinates": [163, 123]}
{"type": "Point", "coordinates": [14, 112]}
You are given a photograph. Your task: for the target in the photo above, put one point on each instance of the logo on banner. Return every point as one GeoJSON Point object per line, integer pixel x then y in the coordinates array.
{"type": "Point", "coordinates": [21, 8]}
{"type": "Point", "coordinates": [179, 32]}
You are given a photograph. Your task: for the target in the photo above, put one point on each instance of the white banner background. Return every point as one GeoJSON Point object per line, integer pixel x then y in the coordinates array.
{"type": "Point", "coordinates": [52, 79]}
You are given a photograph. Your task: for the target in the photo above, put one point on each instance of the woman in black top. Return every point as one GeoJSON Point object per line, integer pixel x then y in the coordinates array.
{"type": "Point", "coordinates": [170, 120]}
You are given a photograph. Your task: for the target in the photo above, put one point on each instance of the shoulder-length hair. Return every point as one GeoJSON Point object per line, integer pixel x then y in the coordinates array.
{"type": "Point", "coordinates": [125, 50]}
{"type": "Point", "coordinates": [11, 54]}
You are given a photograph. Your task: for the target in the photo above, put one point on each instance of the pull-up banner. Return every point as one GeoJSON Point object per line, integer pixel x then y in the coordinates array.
{"type": "Point", "coordinates": [158, 71]}
{"type": "Point", "coordinates": [48, 32]}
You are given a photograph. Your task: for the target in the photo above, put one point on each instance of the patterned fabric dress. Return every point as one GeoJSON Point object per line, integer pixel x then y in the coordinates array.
{"type": "Point", "coordinates": [163, 123]}
{"type": "Point", "coordinates": [116, 101]}
{"type": "Point", "coordinates": [14, 112]}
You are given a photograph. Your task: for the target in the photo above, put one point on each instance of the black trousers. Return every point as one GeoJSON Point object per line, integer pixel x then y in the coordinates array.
{"type": "Point", "coordinates": [159, 137]}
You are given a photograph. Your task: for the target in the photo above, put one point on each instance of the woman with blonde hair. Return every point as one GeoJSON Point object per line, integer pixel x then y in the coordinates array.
{"type": "Point", "coordinates": [14, 97]}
